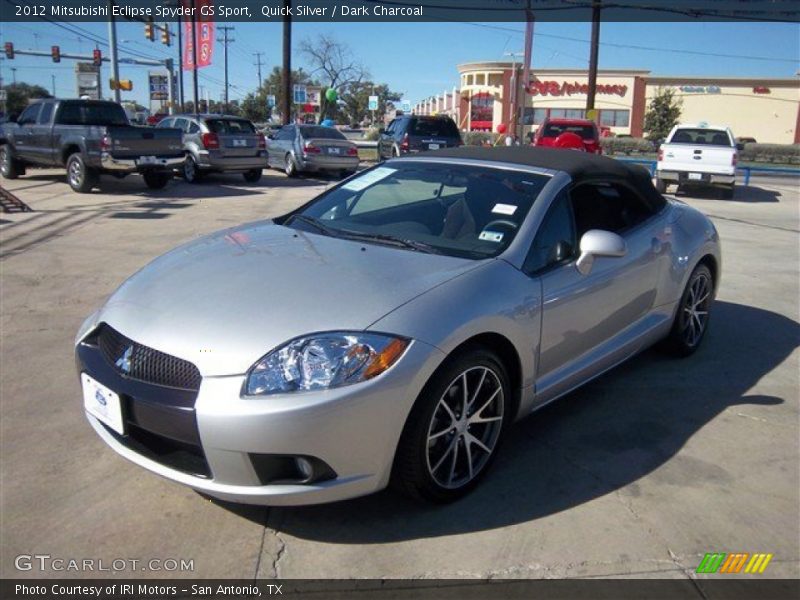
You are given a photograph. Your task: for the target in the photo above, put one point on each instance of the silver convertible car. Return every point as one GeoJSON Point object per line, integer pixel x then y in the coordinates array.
{"type": "Point", "coordinates": [393, 328]}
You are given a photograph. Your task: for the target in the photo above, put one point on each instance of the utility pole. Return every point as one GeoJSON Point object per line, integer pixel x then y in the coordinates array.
{"type": "Point", "coordinates": [526, 68]}
{"type": "Point", "coordinates": [112, 43]}
{"type": "Point", "coordinates": [258, 56]}
{"type": "Point", "coordinates": [14, 75]}
{"type": "Point", "coordinates": [180, 62]}
{"type": "Point", "coordinates": [595, 44]}
{"type": "Point", "coordinates": [53, 82]}
{"type": "Point", "coordinates": [194, 58]}
{"type": "Point", "coordinates": [514, 91]}
{"type": "Point", "coordinates": [287, 62]}
{"type": "Point", "coordinates": [226, 40]}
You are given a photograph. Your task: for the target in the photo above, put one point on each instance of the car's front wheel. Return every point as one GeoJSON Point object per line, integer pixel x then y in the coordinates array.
{"type": "Point", "coordinates": [9, 167]}
{"type": "Point", "coordinates": [691, 321]}
{"type": "Point", "coordinates": [454, 429]}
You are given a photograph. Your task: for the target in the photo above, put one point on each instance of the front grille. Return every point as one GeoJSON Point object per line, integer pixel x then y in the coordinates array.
{"type": "Point", "coordinates": [146, 364]}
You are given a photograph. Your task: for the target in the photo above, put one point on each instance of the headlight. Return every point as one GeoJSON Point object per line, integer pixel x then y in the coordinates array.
{"type": "Point", "coordinates": [324, 360]}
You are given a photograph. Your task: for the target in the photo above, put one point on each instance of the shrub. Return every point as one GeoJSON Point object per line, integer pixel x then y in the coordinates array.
{"type": "Point", "coordinates": [372, 134]}
{"type": "Point", "coordinates": [479, 138]}
{"type": "Point", "coordinates": [771, 153]}
{"type": "Point", "coordinates": [626, 145]}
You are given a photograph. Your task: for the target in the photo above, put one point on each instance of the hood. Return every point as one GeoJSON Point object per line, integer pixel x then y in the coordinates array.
{"type": "Point", "coordinates": [225, 300]}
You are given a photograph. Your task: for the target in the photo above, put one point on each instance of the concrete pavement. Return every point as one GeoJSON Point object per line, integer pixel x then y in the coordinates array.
{"type": "Point", "coordinates": [638, 474]}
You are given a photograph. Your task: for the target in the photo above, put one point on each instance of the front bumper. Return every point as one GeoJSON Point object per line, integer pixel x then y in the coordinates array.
{"type": "Point", "coordinates": [131, 165]}
{"type": "Point", "coordinates": [354, 430]}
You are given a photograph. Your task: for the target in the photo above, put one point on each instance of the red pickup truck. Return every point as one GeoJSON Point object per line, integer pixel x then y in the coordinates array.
{"type": "Point", "coordinates": [573, 134]}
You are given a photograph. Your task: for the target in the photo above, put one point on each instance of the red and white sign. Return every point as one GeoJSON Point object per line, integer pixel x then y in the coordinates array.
{"type": "Point", "coordinates": [565, 88]}
{"type": "Point", "coordinates": [204, 35]}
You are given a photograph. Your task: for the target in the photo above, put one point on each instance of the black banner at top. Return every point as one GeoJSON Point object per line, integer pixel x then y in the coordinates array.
{"type": "Point", "coordinates": [400, 10]}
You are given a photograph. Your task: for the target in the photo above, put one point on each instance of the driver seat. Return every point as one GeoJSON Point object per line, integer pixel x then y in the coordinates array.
{"type": "Point", "coordinates": [468, 215]}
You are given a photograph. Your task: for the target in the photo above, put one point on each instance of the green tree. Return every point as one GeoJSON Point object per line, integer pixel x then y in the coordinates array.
{"type": "Point", "coordinates": [355, 100]}
{"type": "Point", "coordinates": [662, 115]}
{"type": "Point", "coordinates": [20, 94]}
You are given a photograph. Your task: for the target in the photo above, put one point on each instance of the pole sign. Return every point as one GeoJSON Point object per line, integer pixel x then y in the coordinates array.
{"type": "Point", "coordinates": [204, 34]}
{"type": "Point", "coordinates": [270, 100]}
{"type": "Point", "coordinates": [373, 103]}
{"type": "Point", "coordinates": [159, 86]}
{"type": "Point", "coordinates": [299, 94]}
{"type": "Point", "coordinates": [406, 106]}
{"type": "Point", "coordinates": [87, 80]}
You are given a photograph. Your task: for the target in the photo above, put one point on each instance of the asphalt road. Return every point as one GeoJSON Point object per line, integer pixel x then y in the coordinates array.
{"type": "Point", "coordinates": [638, 474]}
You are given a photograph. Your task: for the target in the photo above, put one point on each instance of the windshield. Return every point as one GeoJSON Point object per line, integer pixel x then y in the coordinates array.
{"type": "Point", "coordinates": [553, 130]}
{"type": "Point", "coordinates": [437, 127]}
{"type": "Point", "coordinates": [327, 133]}
{"type": "Point", "coordinates": [230, 126]}
{"type": "Point", "coordinates": [442, 209]}
{"type": "Point", "coordinates": [91, 113]}
{"type": "Point", "coordinates": [701, 136]}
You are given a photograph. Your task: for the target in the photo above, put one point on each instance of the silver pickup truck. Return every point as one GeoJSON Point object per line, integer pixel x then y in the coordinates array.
{"type": "Point", "coordinates": [88, 137]}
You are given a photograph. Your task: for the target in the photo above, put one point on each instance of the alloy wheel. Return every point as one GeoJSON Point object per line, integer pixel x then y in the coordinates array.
{"type": "Point", "coordinates": [5, 161]}
{"type": "Point", "coordinates": [465, 426]}
{"type": "Point", "coordinates": [189, 170]}
{"type": "Point", "coordinates": [694, 312]}
{"type": "Point", "coordinates": [75, 173]}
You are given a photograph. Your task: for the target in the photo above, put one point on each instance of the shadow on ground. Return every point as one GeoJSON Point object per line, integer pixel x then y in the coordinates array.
{"type": "Point", "coordinates": [750, 194]}
{"type": "Point", "coordinates": [601, 438]}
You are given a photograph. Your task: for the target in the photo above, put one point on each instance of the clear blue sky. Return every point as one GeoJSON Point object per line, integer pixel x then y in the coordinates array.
{"type": "Point", "coordinates": [421, 59]}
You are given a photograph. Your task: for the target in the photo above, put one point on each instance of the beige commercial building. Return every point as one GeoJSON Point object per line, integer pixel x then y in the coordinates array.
{"type": "Point", "coordinates": [767, 109]}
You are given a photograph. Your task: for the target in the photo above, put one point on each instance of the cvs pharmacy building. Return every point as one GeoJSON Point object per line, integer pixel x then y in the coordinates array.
{"type": "Point", "coordinates": [765, 109]}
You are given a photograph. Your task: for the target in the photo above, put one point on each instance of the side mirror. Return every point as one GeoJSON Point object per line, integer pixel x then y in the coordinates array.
{"type": "Point", "coordinates": [740, 147]}
{"type": "Point", "coordinates": [597, 242]}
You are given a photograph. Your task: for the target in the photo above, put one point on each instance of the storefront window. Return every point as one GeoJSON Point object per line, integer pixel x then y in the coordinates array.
{"type": "Point", "coordinates": [533, 116]}
{"type": "Point", "coordinates": [482, 111]}
{"type": "Point", "coordinates": [480, 79]}
{"type": "Point", "coordinates": [469, 79]}
{"type": "Point", "coordinates": [574, 113]}
{"type": "Point", "coordinates": [615, 118]}
{"type": "Point", "coordinates": [495, 79]}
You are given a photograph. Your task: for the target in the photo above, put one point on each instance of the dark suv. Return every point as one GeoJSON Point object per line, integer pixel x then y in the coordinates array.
{"type": "Point", "coordinates": [412, 133]}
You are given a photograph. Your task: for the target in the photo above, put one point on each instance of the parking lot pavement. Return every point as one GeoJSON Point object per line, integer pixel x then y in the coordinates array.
{"type": "Point", "coordinates": [640, 473]}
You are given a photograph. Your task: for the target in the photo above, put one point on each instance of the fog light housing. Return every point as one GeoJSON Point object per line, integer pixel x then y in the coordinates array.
{"type": "Point", "coordinates": [304, 468]}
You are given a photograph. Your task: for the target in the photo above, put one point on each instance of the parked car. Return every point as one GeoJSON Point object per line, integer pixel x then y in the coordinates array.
{"type": "Point", "coordinates": [89, 138]}
{"type": "Point", "coordinates": [414, 133]}
{"type": "Point", "coordinates": [155, 119]}
{"type": "Point", "coordinates": [299, 149]}
{"type": "Point", "coordinates": [698, 155]}
{"type": "Point", "coordinates": [573, 134]}
{"type": "Point", "coordinates": [219, 144]}
{"type": "Point", "coordinates": [393, 328]}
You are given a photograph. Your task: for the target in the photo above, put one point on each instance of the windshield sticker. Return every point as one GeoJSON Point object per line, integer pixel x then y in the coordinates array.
{"type": "Point", "coordinates": [367, 179]}
{"type": "Point", "coordinates": [491, 236]}
{"type": "Point", "coordinates": [504, 209]}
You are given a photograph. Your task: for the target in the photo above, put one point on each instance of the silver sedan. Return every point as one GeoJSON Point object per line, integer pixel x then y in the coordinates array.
{"type": "Point", "coordinates": [393, 328]}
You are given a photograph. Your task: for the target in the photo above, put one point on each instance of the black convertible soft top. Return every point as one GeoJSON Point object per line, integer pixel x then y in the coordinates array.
{"type": "Point", "coordinates": [580, 166]}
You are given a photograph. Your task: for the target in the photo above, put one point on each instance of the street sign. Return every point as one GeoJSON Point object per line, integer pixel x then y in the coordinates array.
{"type": "Point", "coordinates": [406, 106]}
{"type": "Point", "coordinates": [270, 101]}
{"type": "Point", "coordinates": [373, 103]}
{"type": "Point", "coordinates": [159, 86]}
{"type": "Point", "coordinates": [299, 96]}
{"type": "Point", "coordinates": [2, 95]}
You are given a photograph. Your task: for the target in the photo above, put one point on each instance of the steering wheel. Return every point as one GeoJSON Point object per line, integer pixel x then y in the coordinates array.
{"type": "Point", "coordinates": [502, 222]}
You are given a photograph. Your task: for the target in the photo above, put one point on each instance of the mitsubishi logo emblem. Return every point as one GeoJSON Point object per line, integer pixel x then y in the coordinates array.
{"type": "Point", "coordinates": [124, 361]}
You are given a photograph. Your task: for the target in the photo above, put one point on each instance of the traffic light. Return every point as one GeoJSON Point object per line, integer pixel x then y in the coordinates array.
{"type": "Point", "coordinates": [123, 84]}
{"type": "Point", "coordinates": [97, 57]}
{"type": "Point", "coordinates": [166, 39]}
{"type": "Point", "coordinates": [149, 33]}
{"type": "Point", "coordinates": [55, 52]}
{"type": "Point", "coordinates": [9, 50]}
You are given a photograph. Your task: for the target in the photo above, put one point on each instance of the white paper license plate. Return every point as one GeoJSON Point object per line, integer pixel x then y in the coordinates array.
{"type": "Point", "coordinates": [433, 146]}
{"type": "Point", "coordinates": [147, 160]}
{"type": "Point", "coordinates": [239, 143]}
{"type": "Point", "coordinates": [695, 176]}
{"type": "Point", "coordinates": [333, 150]}
{"type": "Point", "coordinates": [101, 402]}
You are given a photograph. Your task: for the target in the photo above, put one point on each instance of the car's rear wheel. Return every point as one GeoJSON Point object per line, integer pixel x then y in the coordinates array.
{"type": "Point", "coordinates": [454, 429]}
{"type": "Point", "coordinates": [80, 177]}
{"type": "Point", "coordinates": [191, 172]}
{"type": "Point", "coordinates": [289, 166]}
{"type": "Point", "coordinates": [9, 167]}
{"type": "Point", "coordinates": [252, 176]}
{"type": "Point", "coordinates": [691, 321]}
{"type": "Point", "coordinates": [156, 181]}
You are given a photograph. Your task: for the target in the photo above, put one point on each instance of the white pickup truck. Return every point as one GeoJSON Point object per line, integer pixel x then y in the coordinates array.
{"type": "Point", "coordinates": [698, 155]}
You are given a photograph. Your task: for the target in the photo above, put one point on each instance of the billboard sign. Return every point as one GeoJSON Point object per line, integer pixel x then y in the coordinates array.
{"type": "Point", "coordinates": [159, 86]}
{"type": "Point", "coordinates": [87, 81]}
{"type": "Point", "coordinates": [204, 36]}
{"type": "Point", "coordinates": [299, 95]}
{"type": "Point", "coordinates": [373, 103]}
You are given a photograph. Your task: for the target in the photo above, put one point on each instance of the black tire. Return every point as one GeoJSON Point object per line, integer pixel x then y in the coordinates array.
{"type": "Point", "coordinates": [156, 181]}
{"type": "Point", "coordinates": [190, 171]}
{"type": "Point", "coordinates": [683, 339]}
{"type": "Point", "coordinates": [253, 176]}
{"type": "Point", "coordinates": [418, 464]}
{"type": "Point", "coordinates": [289, 166]}
{"type": "Point", "coordinates": [661, 186]}
{"type": "Point", "coordinates": [728, 192]}
{"type": "Point", "coordinates": [80, 177]}
{"type": "Point", "coordinates": [9, 166]}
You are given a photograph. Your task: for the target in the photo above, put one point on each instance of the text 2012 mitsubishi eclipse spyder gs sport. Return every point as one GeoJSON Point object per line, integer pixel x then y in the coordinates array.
{"type": "Point", "coordinates": [392, 329]}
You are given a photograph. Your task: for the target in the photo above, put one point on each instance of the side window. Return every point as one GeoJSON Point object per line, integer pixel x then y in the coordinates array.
{"type": "Point", "coordinates": [180, 124]}
{"type": "Point", "coordinates": [555, 242]}
{"type": "Point", "coordinates": [29, 115]}
{"type": "Point", "coordinates": [390, 127]}
{"type": "Point", "coordinates": [286, 133]}
{"type": "Point", "coordinates": [193, 127]}
{"type": "Point", "coordinates": [608, 206]}
{"type": "Point", "coordinates": [400, 128]}
{"type": "Point", "coordinates": [165, 123]}
{"type": "Point", "coordinates": [46, 114]}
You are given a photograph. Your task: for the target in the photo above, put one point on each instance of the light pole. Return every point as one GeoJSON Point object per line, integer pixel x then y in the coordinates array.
{"type": "Point", "coordinates": [112, 43]}
{"type": "Point", "coordinates": [514, 90]}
